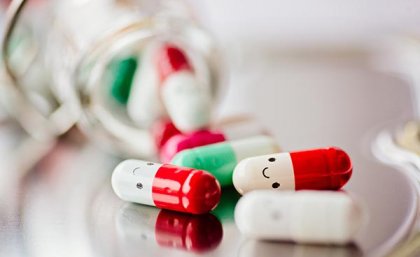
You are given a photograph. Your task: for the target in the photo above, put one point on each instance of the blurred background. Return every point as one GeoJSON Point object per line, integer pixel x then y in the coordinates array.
{"type": "Point", "coordinates": [314, 74]}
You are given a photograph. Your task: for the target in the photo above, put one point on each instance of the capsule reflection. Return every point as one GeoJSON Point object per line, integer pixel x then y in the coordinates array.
{"type": "Point", "coordinates": [225, 210]}
{"type": "Point", "coordinates": [139, 225]}
{"type": "Point", "coordinates": [270, 249]}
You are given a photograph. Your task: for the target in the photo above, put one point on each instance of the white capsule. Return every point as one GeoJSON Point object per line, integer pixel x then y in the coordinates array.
{"type": "Point", "coordinates": [241, 129]}
{"type": "Point", "coordinates": [144, 105]}
{"type": "Point", "coordinates": [321, 217]}
{"type": "Point", "coordinates": [187, 102]}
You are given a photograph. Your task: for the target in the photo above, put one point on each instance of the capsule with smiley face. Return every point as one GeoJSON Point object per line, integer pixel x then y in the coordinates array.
{"type": "Point", "coordinates": [166, 186]}
{"type": "Point", "coordinates": [317, 169]}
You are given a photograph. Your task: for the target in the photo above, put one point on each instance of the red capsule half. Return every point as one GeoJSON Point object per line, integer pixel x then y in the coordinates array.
{"type": "Point", "coordinates": [328, 168]}
{"type": "Point", "coordinates": [186, 190]}
{"type": "Point", "coordinates": [162, 131]}
{"type": "Point", "coordinates": [171, 59]}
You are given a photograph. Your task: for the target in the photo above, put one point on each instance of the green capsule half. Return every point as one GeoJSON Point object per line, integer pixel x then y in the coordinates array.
{"type": "Point", "coordinates": [123, 71]}
{"type": "Point", "coordinates": [220, 159]}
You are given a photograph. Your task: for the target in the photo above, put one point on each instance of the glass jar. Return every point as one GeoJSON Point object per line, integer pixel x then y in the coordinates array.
{"type": "Point", "coordinates": [85, 38]}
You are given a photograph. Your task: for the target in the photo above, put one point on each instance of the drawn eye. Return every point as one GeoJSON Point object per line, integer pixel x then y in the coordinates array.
{"type": "Point", "coordinates": [272, 159]}
{"type": "Point", "coordinates": [275, 185]}
{"type": "Point", "coordinates": [139, 185]}
{"type": "Point", "coordinates": [150, 163]}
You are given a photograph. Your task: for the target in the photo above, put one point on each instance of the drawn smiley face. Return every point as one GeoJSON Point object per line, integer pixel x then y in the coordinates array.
{"type": "Point", "coordinates": [137, 172]}
{"type": "Point", "coordinates": [265, 173]}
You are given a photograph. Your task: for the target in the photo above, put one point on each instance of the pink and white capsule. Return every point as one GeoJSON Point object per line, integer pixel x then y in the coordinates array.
{"type": "Point", "coordinates": [187, 102]}
{"type": "Point", "coordinates": [179, 142]}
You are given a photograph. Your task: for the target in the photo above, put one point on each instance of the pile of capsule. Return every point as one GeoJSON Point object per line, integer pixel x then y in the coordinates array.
{"type": "Point", "coordinates": [199, 160]}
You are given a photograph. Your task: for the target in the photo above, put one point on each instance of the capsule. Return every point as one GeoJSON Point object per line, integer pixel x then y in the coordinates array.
{"type": "Point", "coordinates": [321, 169]}
{"type": "Point", "coordinates": [162, 131]}
{"type": "Point", "coordinates": [322, 217]}
{"type": "Point", "coordinates": [144, 105]}
{"type": "Point", "coordinates": [187, 102]}
{"type": "Point", "coordinates": [179, 142]}
{"type": "Point", "coordinates": [123, 73]}
{"type": "Point", "coordinates": [226, 208]}
{"type": "Point", "coordinates": [220, 159]}
{"type": "Point", "coordinates": [141, 225]}
{"type": "Point", "coordinates": [166, 186]}
{"type": "Point", "coordinates": [252, 248]}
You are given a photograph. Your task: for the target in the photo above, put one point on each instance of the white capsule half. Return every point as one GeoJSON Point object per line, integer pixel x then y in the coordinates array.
{"type": "Point", "coordinates": [132, 181]}
{"type": "Point", "coordinates": [187, 102]}
{"type": "Point", "coordinates": [144, 105]}
{"type": "Point", "coordinates": [241, 129]}
{"type": "Point", "coordinates": [320, 217]}
{"type": "Point", "coordinates": [259, 173]}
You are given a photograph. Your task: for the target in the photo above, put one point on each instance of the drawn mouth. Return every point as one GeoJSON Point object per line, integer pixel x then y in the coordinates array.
{"type": "Point", "coordinates": [263, 172]}
{"type": "Point", "coordinates": [134, 171]}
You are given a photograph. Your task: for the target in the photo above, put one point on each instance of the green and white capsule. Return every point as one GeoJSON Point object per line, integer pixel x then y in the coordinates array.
{"type": "Point", "coordinates": [220, 159]}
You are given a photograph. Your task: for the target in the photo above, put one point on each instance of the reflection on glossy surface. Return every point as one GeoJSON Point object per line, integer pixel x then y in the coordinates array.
{"type": "Point", "coordinates": [274, 249]}
{"type": "Point", "coordinates": [409, 137]}
{"type": "Point", "coordinates": [141, 225]}
{"type": "Point", "coordinates": [226, 208]}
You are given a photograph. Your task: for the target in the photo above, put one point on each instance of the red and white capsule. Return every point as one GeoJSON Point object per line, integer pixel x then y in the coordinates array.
{"type": "Point", "coordinates": [187, 102]}
{"type": "Point", "coordinates": [166, 186]}
{"type": "Point", "coordinates": [318, 169]}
